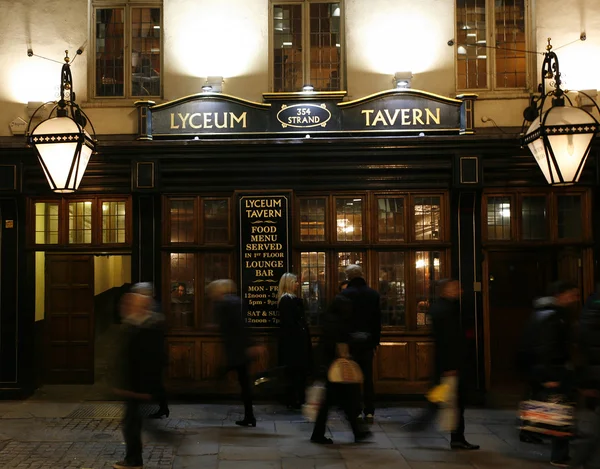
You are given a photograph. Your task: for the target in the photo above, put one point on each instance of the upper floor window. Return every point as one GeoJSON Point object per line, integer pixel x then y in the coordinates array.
{"type": "Point", "coordinates": [491, 44]}
{"type": "Point", "coordinates": [306, 45]}
{"type": "Point", "coordinates": [128, 50]}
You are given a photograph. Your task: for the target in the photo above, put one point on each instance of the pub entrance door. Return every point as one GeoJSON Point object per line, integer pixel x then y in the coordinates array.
{"type": "Point", "coordinates": [69, 357]}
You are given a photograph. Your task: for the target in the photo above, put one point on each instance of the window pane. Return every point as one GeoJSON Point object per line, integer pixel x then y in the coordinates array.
{"type": "Point", "coordinates": [312, 219]}
{"type": "Point", "coordinates": [533, 213]}
{"type": "Point", "coordinates": [110, 42]}
{"type": "Point", "coordinates": [146, 51]}
{"type": "Point", "coordinates": [347, 258]}
{"type": "Point", "coordinates": [80, 222]}
{"type": "Point", "coordinates": [312, 280]}
{"type": "Point", "coordinates": [428, 268]}
{"type": "Point", "coordinates": [216, 266]}
{"type": "Point", "coordinates": [471, 52]}
{"type": "Point", "coordinates": [510, 44]}
{"type": "Point", "coordinates": [349, 219]}
{"type": "Point", "coordinates": [216, 221]}
{"type": "Point", "coordinates": [427, 218]}
{"type": "Point", "coordinates": [391, 219]}
{"type": "Point", "coordinates": [392, 288]}
{"type": "Point", "coordinates": [498, 218]}
{"type": "Point", "coordinates": [287, 48]}
{"type": "Point", "coordinates": [113, 222]}
{"type": "Point", "coordinates": [182, 221]}
{"type": "Point", "coordinates": [183, 268]}
{"type": "Point", "coordinates": [325, 46]}
{"type": "Point", "coordinates": [569, 217]}
{"type": "Point", "coordinates": [46, 223]}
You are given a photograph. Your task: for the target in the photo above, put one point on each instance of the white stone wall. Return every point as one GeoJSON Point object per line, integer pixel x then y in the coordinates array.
{"type": "Point", "coordinates": [230, 38]}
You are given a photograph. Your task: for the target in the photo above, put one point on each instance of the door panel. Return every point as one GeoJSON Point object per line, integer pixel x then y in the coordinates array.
{"type": "Point", "coordinates": [69, 319]}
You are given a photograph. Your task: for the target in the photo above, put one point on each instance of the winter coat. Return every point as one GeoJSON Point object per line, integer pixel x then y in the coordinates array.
{"type": "Point", "coordinates": [236, 337]}
{"type": "Point", "coordinates": [450, 343]}
{"type": "Point", "coordinates": [588, 338]}
{"type": "Point", "coordinates": [548, 340]}
{"type": "Point", "coordinates": [295, 348]}
{"type": "Point", "coordinates": [366, 314]}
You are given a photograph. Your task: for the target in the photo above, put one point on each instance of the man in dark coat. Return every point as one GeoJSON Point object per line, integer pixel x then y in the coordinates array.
{"type": "Point", "coordinates": [450, 351]}
{"type": "Point", "coordinates": [139, 369]}
{"type": "Point", "coordinates": [365, 330]}
{"type": "Point", "coordinates": [548, 336]}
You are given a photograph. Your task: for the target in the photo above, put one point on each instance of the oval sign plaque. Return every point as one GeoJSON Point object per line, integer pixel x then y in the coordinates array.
{"type": "Point", "coordinates": [303, 116]}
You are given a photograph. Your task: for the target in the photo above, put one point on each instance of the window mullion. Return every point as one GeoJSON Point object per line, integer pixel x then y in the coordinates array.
{"type": "Point", "coordinates": [305, 43]}
{"type": "Point", "coordinates": [127, 91]}
{"type": "Point", "coordinates": [490, 19]}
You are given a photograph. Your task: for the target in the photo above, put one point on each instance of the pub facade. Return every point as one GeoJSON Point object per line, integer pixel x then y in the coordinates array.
{"type": "Point", "coordinates": [415, 176]}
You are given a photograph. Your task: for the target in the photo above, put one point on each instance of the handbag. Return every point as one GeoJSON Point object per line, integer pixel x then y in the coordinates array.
{"type": "Point", "coordinates": [552, 415]}
{"type": "Point", "coordinates": [315, 395]}
{"type": "Point", "coordinates": [444, 394]}
{"type": "Point", "coordinates": [343, 369]}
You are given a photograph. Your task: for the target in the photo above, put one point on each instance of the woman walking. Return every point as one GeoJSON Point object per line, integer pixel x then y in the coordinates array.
{"type": "Point", "coordinates": [295, 349]}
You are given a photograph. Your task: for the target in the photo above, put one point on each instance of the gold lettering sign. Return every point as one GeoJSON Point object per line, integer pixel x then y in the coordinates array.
{"type": "Point", "coordinates": [208, 120]}
{"type": "Point", "coordinates": [405, 117]}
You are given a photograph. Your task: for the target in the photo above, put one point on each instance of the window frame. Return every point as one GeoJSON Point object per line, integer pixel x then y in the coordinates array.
{"type": "Point", "coordinates": [127, 5]}
{"type": "Point", "coordinates": [305, 4]}
{"type": "Point", "coordinates": [514, 215]}
{"type": "Point", "coordinates": [530, 59]}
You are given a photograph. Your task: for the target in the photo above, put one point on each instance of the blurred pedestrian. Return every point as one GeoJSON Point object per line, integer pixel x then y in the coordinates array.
{"type": "Point", "coordinates": [450, 354]}
{"type": "Point", "coordinates": [139, 367]}
{"type": "Point", "coordinates": [295, 348]}
{"type": "Point", "coordinates": [239, 350]}
{"type": "Point", "coordinates": [337, 328]}
{"type": "Point", "coordinates": [365, 331]}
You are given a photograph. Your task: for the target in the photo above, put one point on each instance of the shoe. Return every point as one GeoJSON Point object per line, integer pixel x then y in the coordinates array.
{"type": "Point", "coordinates": [369, 418]}
{"type": "Point", "coordinates": [321, 440]}
{"type": "Point", "coordinates": [463, 445]}
{"type": "Point", "coordinates": [159, 414]}
{"type": "Point", "coordinates": [560, 463]}
{"type": "Point", "coordinates": [359, 437]}
{"type": "Point", "coordinates": [127, 465]}
{"type": "Point", "coordinates": [247, 422]}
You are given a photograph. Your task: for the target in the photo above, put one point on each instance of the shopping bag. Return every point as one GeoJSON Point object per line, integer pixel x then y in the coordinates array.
{"type": "Point", "coordinates": [552, 415]}
{"type": "Point", "coordinates": [444, 394]}
{"type": "Point", "coordinates": [343, 369]}
{"type": "Point", "coordinates": [315, 396]}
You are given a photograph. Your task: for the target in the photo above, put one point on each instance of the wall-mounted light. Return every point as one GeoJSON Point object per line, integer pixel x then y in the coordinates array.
{"type": "Point", "coordinates": [308, 88]}
{"type": "Point", "coordinates": [213, 85]}
{"type": "Point", "coordinates": [62, 144]}
{"type": "Point", "coordinates": [402, 80]}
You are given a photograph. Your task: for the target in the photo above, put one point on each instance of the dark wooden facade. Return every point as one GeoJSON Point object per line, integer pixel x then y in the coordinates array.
{"type": "Point", "coordinates": [148, 173]}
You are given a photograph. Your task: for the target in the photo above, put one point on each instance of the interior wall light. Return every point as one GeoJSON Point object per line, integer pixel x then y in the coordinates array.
{"type": "Point", "coordinates": [308, 88]}
{"type": "Point", "coordinates": [62, 144]}
{"type": "Point", "coordinates": [559, 138]}
{"type": "Point", "coordinates": [213, 85]}
{"type": "Point", "coordinates": [402, 80]}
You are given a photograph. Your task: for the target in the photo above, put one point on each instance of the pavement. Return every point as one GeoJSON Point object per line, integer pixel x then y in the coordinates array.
{"type": "Point", "coordinates": [46, 433]}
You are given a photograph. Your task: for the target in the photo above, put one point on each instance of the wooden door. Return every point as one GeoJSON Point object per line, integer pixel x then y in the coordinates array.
{"type": "Point", "coordinates": [69, 357]}
{"type": "Point", "coordinates": [515, 280]}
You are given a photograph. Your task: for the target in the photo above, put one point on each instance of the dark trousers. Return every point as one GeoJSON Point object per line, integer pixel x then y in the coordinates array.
{"type": "Point", "coordinates": [161, 397]}
{"type": "Point", "coordinates": [296, 384]}
{"type": "Point", "coordinates": [347, 396]}
{"type": "Point", "coordinates": [244, 380]}
{"type": "Point", "coordinates": [132, 432]}
{"type": "Point", "coordinates": [364, 358]}
{"type": "Point", "coordinates": [430, 413]}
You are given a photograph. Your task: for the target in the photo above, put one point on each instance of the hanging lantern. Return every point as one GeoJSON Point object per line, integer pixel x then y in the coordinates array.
{"type": "Point", "coordinates": [62, 144]}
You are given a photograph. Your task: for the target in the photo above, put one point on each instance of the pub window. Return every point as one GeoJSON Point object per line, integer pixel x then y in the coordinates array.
{"type": "Point", "coordinates": [313, 284]}
{"type": "Point", "coordinates": [390, 218]}
{"type": "Point", "coordinates": [215, 266]}
{"type": "Point", "coordinates": [113, 222]}
{"type": "Point", "coordinates": [312, 219]}
{"type": "Point", "coordinates": [128, 49]}
{"type": "Point", "coordinates": [307, 45]}
{"type": "Point", "coordinates": [46, 222]}
{"type": "Point", "coordinates": [569, 217]}
{"type": "Point", "coordinates": [392, 288]}
{"type": "Point", "coordinates": [428, 270]}
{"type": "Point", "coordinates": [499, 218]}
{"type": "Point", "coordinates": [349, 219]}
{"type": "Point", "coordinates": [491, 44]}
{"type": "Point", "coordinates": [183, 220]}
{"type": "Point", "coordinates": [80, 222]}
{"type": "Point", "coordinates": [182, 278]}
{"type": "Point", "coordinates": [427, 218]}
{"type": "Point", "coordinates": [215, 218]}
{"type": "Point", "coordinates": [533, 217]}
{"type": "Point", "coordinates": [344, 259]}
